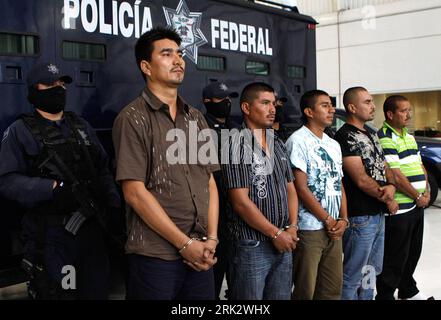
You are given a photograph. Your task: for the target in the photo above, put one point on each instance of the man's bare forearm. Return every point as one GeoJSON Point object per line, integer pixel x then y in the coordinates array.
{"type": "Point", "coordinates": [390, 178]}
{"type": "Point", "coordinates": [249, 212]}
{"type": "Point", "coordinates": [403, 184]}
{"type": "Point", "coordinates": [310, 202]}
{"type": "Point", "coordinates": [293, 203]}
{"type": "Point", "coordinates": [369, 186]}
{"type": "Point", "coordinates": [213, 208]}
{"type": "Point", "coordinates": [344, 206]}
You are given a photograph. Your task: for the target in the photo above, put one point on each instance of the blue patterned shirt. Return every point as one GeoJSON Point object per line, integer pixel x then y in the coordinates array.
{"type": "Point", "coordinates": [321, 160]}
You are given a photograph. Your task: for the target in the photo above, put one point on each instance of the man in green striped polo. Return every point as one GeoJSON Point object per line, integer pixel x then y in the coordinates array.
{"type": "Point", "coordinates": [404, 230]}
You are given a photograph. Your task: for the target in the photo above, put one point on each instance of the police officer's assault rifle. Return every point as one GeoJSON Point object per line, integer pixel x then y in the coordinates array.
{"type": "Point", "coordinates": [88, 207]}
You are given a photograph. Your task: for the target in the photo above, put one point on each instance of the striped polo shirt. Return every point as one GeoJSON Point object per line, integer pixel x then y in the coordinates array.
{"type": "Point", "coordinates": [401, 152]}
{"type": "Point", "coordinates": [264, 174]}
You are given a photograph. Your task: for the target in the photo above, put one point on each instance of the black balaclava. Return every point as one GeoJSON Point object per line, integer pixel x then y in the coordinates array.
{"type": "Point", "coordinates": [52, 100]}
{"type": "Point", "coordinates": [219, 109]}
{"type": "Point", "coordinates": [280, 116]}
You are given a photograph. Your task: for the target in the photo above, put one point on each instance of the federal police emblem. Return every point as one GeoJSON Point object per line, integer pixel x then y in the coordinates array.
{"type": "Point", "coordinates": [52, 68]}
{"type": "Point", "coordinates": [187, 24]}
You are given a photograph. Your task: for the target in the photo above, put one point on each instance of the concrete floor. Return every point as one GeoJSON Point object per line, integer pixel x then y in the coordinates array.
{"type": "Point", "coordinates": [428, 272]}
{"type": "Point", "coordinates": [427, 275]}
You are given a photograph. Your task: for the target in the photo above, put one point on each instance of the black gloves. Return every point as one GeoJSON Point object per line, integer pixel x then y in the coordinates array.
{"type": "Point", "coordinates": [63, 198]}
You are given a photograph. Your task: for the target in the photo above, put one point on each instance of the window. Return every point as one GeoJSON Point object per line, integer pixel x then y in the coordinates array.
{"type": "Point", "coordinates": [298, 89]}
{"type": "Point", "coordinates": [296, 72]}
{"type": "Point", "coordinates": [12, 73]}
{"type": "Point", "coordinates": [425, 117]}
{"type": "Point", "coordinates": [210, 63]}
{"type": "Point", "coordinates": [18, 44]}
{"type": "Point", "coordinates": [259, 68]}
{"type": "Point", "coordinates": [84, 51]}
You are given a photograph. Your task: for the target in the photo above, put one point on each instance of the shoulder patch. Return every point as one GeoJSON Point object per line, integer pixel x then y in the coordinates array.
{"type": "Point", "coordinates": [5, 134]}
{"type": "Point", "coordinates": [84, 136]}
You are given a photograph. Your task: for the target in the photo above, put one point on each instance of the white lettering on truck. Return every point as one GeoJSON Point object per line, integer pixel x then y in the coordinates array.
{"type": "Point", "coordinates": [127, 19]}
{"type": "Point", "coordinates": [244, 38]}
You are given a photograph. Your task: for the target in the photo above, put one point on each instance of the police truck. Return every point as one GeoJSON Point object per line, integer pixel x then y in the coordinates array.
{"type": "Point", "coordinates": [233, 41]}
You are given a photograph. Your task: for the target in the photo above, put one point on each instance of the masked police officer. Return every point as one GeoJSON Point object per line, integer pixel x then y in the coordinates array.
{"type": "Point", "coordinates": [279, 119]}
{"type": "Point", "coordinates": [217, 100]}
{"type": "Point", "coordinates": [52, 163]}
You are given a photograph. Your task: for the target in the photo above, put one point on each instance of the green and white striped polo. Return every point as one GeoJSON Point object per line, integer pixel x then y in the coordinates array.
{"type": "Point", "coordinates": [401, 152]}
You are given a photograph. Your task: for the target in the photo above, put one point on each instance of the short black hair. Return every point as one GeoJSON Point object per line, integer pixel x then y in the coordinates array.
{"type": "Point", "coordinates": [390, 104]}
{"type": "Point", "coordinates": [249, 93]}
{"type": "Point", "coordinates": [144, 46]}
{"type": "Point", "coordinates": [350, 95]}
{"type": "Point", "coordinates": [308, 100]}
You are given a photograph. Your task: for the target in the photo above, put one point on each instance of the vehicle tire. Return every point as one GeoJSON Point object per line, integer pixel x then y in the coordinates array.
{"type": "Point", "coordinates": [433, 188]}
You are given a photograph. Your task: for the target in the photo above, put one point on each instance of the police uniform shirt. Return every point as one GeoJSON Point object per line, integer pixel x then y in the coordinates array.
{"type": "Point", "coordinates": [19, 148]}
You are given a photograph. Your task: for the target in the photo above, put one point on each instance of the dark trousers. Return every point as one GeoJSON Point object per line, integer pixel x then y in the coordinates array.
{"type": "Point", "coordinates": [402, 250]}
{"type": "Point", "coordinates": [74, 267]}
{"type": "Point", "coordinates": [220, 269]}
{"type": "Point", "coordinates": [157, 279]}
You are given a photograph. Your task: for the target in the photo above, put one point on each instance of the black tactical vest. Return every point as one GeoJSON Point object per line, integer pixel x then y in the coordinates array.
{"type": "Point", "coordinates": [75, 150]}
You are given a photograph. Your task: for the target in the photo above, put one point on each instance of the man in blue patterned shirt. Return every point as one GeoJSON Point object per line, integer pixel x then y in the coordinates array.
{"type": "Point", "coordinates": [317, 164]}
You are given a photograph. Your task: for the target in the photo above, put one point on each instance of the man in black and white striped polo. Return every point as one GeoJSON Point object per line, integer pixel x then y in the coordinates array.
{"type": "Point", "coordinates": [263, 221]}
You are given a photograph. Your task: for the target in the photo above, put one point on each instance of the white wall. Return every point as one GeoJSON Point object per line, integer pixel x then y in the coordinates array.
{"type": "Point", "coordinates": [398, 51]}
{"type": "Point", "coordinates": [320, 7]}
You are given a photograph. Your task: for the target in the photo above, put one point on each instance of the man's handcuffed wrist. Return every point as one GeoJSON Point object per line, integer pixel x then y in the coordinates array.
{"type": "Point", "coordinates": [327, 218]}
{"type": "Point", "coordinates": [185, 246]}
{"type": "Point", "coordinates": [391, 184]}
{"type": "Point", "coordinates": [279, 232]}
{"type": "Point", "coordinates": [293, 225]}
{"type": "Point", "coordinates": [214, 238]}
{"type": "Point", "coordinates": [419, 196]}
{"type": "Point", "coordinates": [345, 220]}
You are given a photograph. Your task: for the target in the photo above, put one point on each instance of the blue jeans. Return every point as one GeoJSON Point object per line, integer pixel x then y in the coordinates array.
{"type": "Point", "coordinates": [157, 279]}
{"type": "Point", "coordinates": [363, 248]}
{"type": "Point", "coordinates": [258, 271]}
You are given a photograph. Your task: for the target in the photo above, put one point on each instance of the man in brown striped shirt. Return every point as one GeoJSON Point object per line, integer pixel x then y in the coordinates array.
{"type": "Point", "coordinates": [172, 205]}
